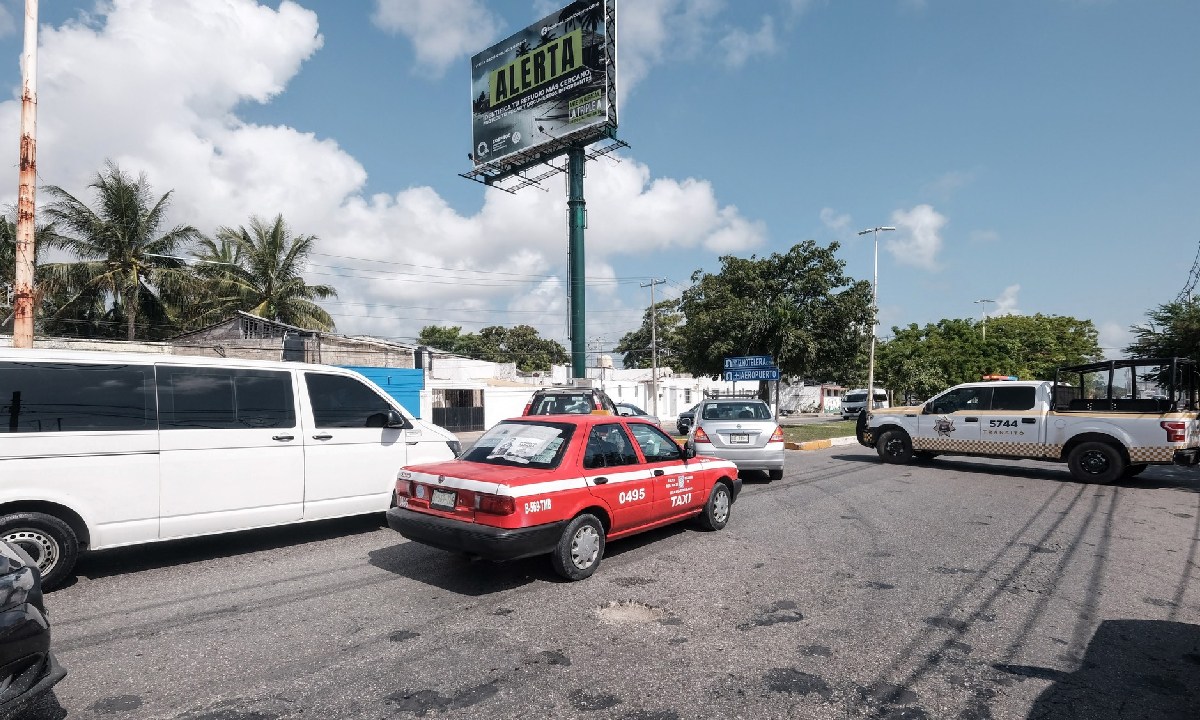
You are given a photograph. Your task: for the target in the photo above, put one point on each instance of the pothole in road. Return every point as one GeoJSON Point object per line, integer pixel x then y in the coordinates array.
{"type": "Point", "coordinates": [627, 612]}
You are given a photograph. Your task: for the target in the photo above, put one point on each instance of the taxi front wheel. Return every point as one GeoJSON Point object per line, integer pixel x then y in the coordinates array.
{"type": "Point", "coordinates": [580, 548]}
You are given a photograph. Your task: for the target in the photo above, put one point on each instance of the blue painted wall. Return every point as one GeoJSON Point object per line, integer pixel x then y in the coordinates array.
{"type": "Point", "coordinates": [404, 385]}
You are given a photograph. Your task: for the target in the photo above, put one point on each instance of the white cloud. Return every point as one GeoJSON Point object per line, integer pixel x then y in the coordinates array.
{"type": "Point", "coordinates": [186, 65]}
{"type": "Point", "coordinates": [441, 31]}
{"type": "Point", "coordinates": [740, 45]}
{"type": "Point", "coordinates": [948, 184]}
{"type": "Point", "coordinates": [1006, 301]}
{"type": "Point", "coordinates": [840, 224]}
{"type": "Point", "coordinates": [8, 25]}
{"type": "Point", "coordinates": [1114, 338]}
{"type": "Point", "coordinates": [918, 238]}
{"type": "Point", "coordinates": [653, 29]}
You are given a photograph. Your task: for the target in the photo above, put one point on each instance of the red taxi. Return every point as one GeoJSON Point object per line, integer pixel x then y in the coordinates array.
{"type": "Point", "coordinates": [563, 485]}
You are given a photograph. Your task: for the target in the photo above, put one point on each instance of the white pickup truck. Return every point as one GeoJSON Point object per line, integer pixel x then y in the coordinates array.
{"type": "Point", "coordinates": [1106, 420]}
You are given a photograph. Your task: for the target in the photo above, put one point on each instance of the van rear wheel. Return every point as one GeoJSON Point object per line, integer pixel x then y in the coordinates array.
{"type": "Point", "coordinates": [50, 542]}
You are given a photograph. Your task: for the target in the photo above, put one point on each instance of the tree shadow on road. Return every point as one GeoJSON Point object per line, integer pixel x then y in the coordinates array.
{"type": "Point", "coordinates": [1158, 477]}
{"type": "Point", "coordinates": [1132, 670]}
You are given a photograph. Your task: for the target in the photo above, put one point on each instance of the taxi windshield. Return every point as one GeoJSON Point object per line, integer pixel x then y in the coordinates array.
{"type": "Point", "coordinates": [522, 444]}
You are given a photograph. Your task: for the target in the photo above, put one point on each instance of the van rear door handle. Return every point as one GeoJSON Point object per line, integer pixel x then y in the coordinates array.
{"type": "Point", "coordinates": [283, 438]}
{"type": "Point", "coordinates": [323, 436]}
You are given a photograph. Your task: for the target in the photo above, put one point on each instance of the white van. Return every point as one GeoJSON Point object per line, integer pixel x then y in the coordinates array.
{"type": "Point", "coordinates": [101, 449]}
{"type": "Point", "coordinates": [854, 401]}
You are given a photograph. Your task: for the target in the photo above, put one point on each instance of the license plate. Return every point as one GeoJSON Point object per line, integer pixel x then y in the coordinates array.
{"type": "Point", "coordinates": [443, 499]}
{"type": "Point", "coordinates": [739, 439]}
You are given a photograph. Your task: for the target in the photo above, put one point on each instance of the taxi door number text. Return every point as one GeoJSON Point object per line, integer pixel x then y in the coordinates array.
{"type": "Point", "coordinates": [629, 496]}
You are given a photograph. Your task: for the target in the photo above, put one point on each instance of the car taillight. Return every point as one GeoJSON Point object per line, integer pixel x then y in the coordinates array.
{"type": "Point", "coordinates": [1176, 430]}
{"type": "Point", "coordinates": [701, 436]}
{"type": "Point", "coordinates": [527, 406]}
{"type": "Point", "coordinates": [404, 488]}
{"type": "Point", "coordinates": [494, 504]}
{"type": "Point", "coordinates": [777, 436]}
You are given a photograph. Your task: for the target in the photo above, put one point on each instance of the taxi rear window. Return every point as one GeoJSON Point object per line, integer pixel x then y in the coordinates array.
{"type": "Point", "coordinates": [522, 444]}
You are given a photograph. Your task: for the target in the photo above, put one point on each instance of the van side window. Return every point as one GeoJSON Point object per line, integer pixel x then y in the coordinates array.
{"type": "Point", "coordinates": [343, 402]}
{"type": "Point", "coordinates": [66, 397]}
{"type": "Point", "coordinates": [224, 399]}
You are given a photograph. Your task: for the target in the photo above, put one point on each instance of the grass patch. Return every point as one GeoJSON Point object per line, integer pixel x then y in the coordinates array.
{"type": "Point", "coordinates": [818, 431]}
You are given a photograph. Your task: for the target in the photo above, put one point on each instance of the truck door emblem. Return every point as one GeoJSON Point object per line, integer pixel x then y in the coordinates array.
{"type": "Point", "coordinates": [944, 426]}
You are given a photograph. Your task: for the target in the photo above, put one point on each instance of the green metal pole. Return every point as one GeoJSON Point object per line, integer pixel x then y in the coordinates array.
{"type": "Point", "coordinates": [576, 211]}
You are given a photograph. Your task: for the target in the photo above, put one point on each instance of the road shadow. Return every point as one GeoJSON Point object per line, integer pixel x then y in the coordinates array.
{"type": "Point", "coordinates": [457, 573]}
{"type": "Point", "coordinates": [170, 553]}
{"type": "Point", "coordinates": [476, 577]}
{"type": "Point", "coordinates": [1158, 477]}
{"type": "Point", "coordinates": [1132, 670]}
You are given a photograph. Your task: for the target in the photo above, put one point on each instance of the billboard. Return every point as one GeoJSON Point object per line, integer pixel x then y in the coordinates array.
{"type": "Point", "coordinates": [553, 81]}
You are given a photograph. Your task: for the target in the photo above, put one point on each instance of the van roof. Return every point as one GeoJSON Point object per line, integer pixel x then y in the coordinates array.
{"type": "Point", "coordinates": [36, 354]}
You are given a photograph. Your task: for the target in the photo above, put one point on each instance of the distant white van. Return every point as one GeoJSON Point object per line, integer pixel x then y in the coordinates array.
{"type": "Point", "coordinates": [854, 401]}
{"type": "Point", "coordinates": [99, 449]}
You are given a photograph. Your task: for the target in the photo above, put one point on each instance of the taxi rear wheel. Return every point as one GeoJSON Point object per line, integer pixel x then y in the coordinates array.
{"type": "Point", "coordinates": [716, 510]}
{"type": "Point", "coordinates": [580, 548]}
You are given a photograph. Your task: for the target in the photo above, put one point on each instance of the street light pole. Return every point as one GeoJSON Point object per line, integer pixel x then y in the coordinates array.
{"type": "Point", "coordinates": [870, 404]}
{"type": "Point", "coordinates": [984, 303]}
{"type": "Point", "coordinates": [653, 346]}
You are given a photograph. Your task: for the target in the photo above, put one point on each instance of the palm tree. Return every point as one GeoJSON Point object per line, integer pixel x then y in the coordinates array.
{"type": "Point", "coordinates": [43, 237]}
{"type": "Point", "coordinates": [124, 261]}
{"type": "Point", "coordinates": [262, 274]}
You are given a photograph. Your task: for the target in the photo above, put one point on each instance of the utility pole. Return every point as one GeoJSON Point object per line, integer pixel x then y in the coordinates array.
{"type": "Point", "coordinates": [26, 250]}
{"type": "Point", "coordinates": [984, 303]}
{"type": "Point", "coordinates": [653, 346]}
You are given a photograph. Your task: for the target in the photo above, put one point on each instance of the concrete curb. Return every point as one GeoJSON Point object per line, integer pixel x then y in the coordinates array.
{"type": "Point", "coordinates": [821, 444]}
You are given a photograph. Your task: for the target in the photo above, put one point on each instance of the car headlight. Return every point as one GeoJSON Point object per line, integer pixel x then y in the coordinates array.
{"type": "Point", "coordinates": [455, 447]}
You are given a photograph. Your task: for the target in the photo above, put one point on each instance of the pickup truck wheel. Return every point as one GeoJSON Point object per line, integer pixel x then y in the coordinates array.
{"type": "Point", "coordinates": [716, 510]}
{"type": "Point", "coordinates": [895, 447]}
{"type": "Point", "coordinates": [860, 427]}
{"type": "Point", "coordinates": [1095, 462]}
{"type": "Point", "coordinates": [1134, 470]}
{"type": "Point", "coordinates": [580, 548]}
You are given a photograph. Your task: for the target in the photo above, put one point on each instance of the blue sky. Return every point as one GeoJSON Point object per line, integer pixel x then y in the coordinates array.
{"type": "Point", "coordinates": [1039, 153]}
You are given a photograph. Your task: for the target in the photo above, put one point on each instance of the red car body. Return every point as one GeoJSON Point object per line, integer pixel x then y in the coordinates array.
{"type": "Point", "coordinates": [502, 506]}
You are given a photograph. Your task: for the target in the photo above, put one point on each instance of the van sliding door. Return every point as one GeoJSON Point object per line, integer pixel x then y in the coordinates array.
{"type": "Point", "coordinates": [231, 454]}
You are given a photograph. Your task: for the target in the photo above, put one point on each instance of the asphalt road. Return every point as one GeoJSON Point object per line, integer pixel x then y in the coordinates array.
{"type": "Point", "coordinates": [966, 589]}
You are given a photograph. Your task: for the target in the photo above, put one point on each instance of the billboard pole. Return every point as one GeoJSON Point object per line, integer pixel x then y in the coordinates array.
{"type": "Point", "coordinates": [576, 211]}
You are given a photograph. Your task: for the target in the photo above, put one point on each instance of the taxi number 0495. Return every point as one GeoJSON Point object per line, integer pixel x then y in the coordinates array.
{"type": "Point", "coordinates": [632, 496]}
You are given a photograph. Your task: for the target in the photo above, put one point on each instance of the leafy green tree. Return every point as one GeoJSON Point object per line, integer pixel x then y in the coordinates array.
{"type": "Point", "coordinates": [1173, 330]}
{"type": "Point", "coordinates": [261, 274]}
{"type": "Point", "coordinates": [442, 338]}
{"type": "Point", "coordinates": [520, 344]}
{"type": "Point", "coordinates": [636, 345]}
{"type": "Point", "coordinates": [924, 361]}
{"type": "Point", "coordinates": [799, 307]}
{"type": "Point", "coordinates": [125, 262]}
